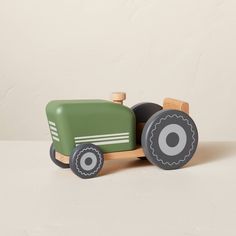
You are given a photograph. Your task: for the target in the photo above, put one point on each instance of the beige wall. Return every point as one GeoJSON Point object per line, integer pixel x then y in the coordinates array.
{"type": "Point", "coordinates": [86, 49]}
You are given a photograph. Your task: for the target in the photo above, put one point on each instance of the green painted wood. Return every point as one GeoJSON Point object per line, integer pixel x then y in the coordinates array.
{"type": "Point", "coordinates": [110, 126]}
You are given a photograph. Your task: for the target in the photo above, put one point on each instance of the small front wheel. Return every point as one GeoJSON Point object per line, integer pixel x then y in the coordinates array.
{"type": "Point", "coordinates": [86, 160]}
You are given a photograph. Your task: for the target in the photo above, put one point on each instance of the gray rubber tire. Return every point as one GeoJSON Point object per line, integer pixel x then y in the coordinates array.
{"type": "Point", "coordinates": [52, 153]}
{"type": "Point", "coordinates": [86, 160]}
{"type": "Point", "coordinates": [169, 139]}
{"type": "Point", "coordinates": [143, 111]}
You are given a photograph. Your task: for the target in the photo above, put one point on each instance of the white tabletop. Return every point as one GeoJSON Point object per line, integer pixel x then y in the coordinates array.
{"type": "Point", "coordinates": [131, 197]}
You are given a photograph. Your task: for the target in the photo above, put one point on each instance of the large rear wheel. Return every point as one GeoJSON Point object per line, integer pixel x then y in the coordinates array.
{"type": "Point", "coordinates": [143, 111]}
{"type": "Point", "coordinates": [169, 139]}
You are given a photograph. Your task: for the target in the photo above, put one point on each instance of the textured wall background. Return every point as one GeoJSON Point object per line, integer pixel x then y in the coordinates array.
{"type": "Point", "coordinates": [86, 49]}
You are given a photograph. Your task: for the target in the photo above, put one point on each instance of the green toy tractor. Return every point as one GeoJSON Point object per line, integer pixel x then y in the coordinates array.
{"type": "Point", "coordinates": [87, 132]}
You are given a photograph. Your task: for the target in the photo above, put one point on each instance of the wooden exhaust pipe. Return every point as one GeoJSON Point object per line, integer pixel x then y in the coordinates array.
{"type": "Point", "coordinates": [118, 97]}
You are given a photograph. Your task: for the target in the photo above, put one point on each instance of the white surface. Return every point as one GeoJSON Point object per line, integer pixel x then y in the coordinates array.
{"type": "Point", "coordinates": [130, 198]}
{"type": "Point", "coordinates": [87, 49]}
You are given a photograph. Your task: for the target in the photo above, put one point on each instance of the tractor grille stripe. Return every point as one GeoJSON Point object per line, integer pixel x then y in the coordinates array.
{"type": "Point", "coordinates": [51, 123]}
{"type": "Point", "coordinates": [101, 136]}
{"type": "Point", "coordinates": [101, 139]}
{"type": "Point", "coordinates": [109, 142]}
{"type": "Point", "coordinates": [55, 138]}
{"type": "Point", "coordinates": [54, 133]}
{"type": "Point", "coordinates": [53, 128]}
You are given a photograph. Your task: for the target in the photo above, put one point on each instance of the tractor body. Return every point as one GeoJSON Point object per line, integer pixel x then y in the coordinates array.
{"type": "Point", "coordinates": [108, 125]}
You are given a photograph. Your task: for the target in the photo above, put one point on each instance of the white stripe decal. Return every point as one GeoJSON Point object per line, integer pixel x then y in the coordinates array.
{"type": "Point", "coordinates": [56, 138]}
{"type": "Point", "coordinates": [109, 142]}
{"type": "Point", "coordinates": [53, 128]}
{"type": "Point", "coordinates": [100, 136]}
{"type": "Point", "coordinates": [54, 133]}
{"type": "Point", "coordinates": [112, 142]}
{"type": "Point", "coordinates": [101, 139]}
{"type": "Point", "coordinates": [51, 123]}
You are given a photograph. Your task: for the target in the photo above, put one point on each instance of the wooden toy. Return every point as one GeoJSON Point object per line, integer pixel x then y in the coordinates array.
{"type": "Point", "coordinates": [87, 132]}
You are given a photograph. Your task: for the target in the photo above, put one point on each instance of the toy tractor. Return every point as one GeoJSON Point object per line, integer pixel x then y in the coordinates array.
{"type": "Point", "coordinates": [87, 132]}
